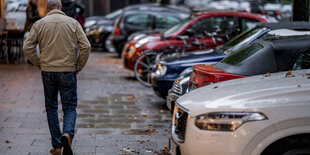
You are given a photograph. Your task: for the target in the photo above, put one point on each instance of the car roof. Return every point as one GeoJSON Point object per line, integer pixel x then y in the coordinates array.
{"type": "Point", "coordinates": [232, 13]}
{"type": "Point", "coordinates": [156, 7]}
{"type": "Point", "coordinates": [287, 25]}
{"type": "Point", "coordinates": [250, 93]}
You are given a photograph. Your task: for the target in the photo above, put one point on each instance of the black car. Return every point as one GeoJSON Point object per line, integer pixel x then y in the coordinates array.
{"type": "Point", "coordinates": [98, 29]}
{"type": "Point", "coordinates": [148, 17]}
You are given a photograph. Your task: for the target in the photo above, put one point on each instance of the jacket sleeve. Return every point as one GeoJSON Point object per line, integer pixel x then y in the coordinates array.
{"type": "Point", "coordinates": [84, 47]}
{"type": "Point", "coordinates": [29, 47]}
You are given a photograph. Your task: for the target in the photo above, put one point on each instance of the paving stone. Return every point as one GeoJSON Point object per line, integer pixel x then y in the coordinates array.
{"type": "Point", "coordinates": [114, 111]}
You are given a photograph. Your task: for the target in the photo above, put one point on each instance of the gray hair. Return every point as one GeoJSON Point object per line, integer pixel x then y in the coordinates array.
{"type": "Point", "coordinates": [53, 4]}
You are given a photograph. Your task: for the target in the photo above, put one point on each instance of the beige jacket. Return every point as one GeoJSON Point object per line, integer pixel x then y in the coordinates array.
{"type": "Point", "coordinates": [59, 37]}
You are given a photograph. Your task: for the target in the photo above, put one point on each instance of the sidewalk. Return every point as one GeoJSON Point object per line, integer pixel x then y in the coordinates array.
{"type": "Point", "coordinates": [116, 115]}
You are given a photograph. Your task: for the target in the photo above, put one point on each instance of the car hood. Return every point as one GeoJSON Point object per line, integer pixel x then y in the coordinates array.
{"type": "Point", "coordinates": [252, 93]}
{"type": "Point", "coordinates": [193, 57]}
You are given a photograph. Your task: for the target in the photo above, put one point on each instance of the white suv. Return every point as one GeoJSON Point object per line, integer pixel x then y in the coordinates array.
{"type": "Point", "coordinates": [266, 114]}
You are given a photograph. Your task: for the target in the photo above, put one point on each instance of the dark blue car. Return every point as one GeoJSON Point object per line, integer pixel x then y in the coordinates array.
{"type": "Point", "coordinates": [168, 68]}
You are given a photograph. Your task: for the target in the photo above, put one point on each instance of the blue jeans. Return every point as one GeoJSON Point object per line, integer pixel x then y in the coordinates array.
{"type": "Point", "coordinates": [65, 83]}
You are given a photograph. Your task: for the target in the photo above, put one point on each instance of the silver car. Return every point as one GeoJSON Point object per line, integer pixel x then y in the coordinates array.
{"type": "Point", "coordinates": [265, 114]}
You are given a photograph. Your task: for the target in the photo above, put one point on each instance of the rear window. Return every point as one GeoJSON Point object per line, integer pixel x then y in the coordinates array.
{"type": "Point", "coordinates": [241, 55]}
{"type": "Point", "coordinates": [140, 20]}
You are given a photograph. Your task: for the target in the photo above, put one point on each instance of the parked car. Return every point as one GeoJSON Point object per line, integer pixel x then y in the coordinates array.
{"type": "Point", "coordinates": [147, 17]}
{"type": "Point", "coordinates": [280, 50]}
{"type": "Point", "coordinates": [98, 29]}
{"type": "Point", "coordinates": [260, 115]}
{"type": "Point", "coordinates": [273, 10]}
{"type": "Point", "coordinates": [225, 23]}
{"type": "Point", "coordinates": [169, 68]}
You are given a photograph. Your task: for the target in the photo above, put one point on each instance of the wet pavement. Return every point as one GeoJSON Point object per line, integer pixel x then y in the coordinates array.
{"type": "Point", "coordinates": [116, 115]}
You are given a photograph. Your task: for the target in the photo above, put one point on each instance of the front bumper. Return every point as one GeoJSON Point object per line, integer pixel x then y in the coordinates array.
{"type": "Point", "coordinates": [161, 85]}
{"type": "Point", "coordinates": [243, 141]}
{"type": "Point", "coordinates": [128, 55]}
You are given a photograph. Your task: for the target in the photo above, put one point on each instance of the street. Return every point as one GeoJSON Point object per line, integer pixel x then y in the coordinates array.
{"type": "Point", "coordinates": [116, 115]}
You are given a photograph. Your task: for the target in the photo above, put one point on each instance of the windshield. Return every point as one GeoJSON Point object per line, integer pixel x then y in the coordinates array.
{"type": "Point", "coordinates": [242, 39]}
{"type": "Point", "coordinates": [175, 27]}
{"type": "Point", "coordinates": [114, 14]}
{"type": "Point", "coordinates": [241, 55]}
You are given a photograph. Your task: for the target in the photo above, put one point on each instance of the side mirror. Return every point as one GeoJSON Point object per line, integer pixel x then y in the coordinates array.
{"type": "Point", "coordinates": [189, 32]}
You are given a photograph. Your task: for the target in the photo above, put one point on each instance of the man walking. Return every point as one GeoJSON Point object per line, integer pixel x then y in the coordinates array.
{"type": "Point", "coordinates": [59, 37]}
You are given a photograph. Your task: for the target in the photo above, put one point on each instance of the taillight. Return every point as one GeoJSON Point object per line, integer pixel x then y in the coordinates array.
{"type": "Point", "coordinates": [278, 13]}
{"type": "Point", "coordinates": [117, 31]}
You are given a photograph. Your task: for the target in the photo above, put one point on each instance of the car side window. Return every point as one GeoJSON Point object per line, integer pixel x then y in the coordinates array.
{"type": "Point", "coordinates": [247, 23]}
{"type": "Point", "coordinates": [303, 61]}
{"type": "Point", "coordinates": [163, 21]}
{"type": "Point", "coordinates": [214, 24]}
{"type": "Point", "coordinates": [138, 20]}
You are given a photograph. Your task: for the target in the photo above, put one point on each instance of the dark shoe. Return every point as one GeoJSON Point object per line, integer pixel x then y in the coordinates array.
{"type": "Point", "coordinates": [55, 151]}
{"type": "Point", "coordinates": [66, 143]}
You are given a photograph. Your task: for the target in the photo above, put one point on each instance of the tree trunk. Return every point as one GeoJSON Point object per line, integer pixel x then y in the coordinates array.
{"type": "Point", "coordinates": [300, 10]}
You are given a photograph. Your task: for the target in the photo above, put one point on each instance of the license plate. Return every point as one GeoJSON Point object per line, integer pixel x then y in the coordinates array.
{"type": "Point", "coordinates": [172, 147]}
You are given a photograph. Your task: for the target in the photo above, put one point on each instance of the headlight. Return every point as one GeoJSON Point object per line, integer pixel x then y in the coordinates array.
{"type": "Point", "coordinates": [144, 41]}
{"type": "Point", "coordinates": [131, 49]}
{"type": "Point", "coordinates": [226, 121]}
{"type": "Point", "coordinates": [100, 29]}
{"type": "Point", "coordinates": [160, 70]}
{"type": "Point", "coordinates": [89, 23]}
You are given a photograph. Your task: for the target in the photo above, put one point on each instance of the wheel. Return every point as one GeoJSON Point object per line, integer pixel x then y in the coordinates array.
{"type": "Point", "coordinates": [144, 67]}
{"type": "Point", "coordinates": [108, 45]}
{"type": "Point", "coordinates": [293, 145]}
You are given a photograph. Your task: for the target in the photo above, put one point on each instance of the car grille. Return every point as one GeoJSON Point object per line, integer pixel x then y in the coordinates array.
{"type": "Point", "coordinates": [179, 126]}
{"type": "Point", "coordinates": [176, 88]}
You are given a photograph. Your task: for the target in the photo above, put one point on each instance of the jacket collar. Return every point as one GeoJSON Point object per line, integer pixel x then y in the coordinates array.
{"type": "Point", "coordinates": [56, 11]}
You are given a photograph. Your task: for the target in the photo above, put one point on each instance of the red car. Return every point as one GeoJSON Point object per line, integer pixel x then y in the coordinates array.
{"type": "Point", "coordinates": [196, 27]}
{"type": "Point", "coordinates": [278, 50]}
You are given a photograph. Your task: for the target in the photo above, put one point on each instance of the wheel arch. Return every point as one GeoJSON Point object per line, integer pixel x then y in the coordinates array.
{"type": "Point", "coordinates": [279, 137]}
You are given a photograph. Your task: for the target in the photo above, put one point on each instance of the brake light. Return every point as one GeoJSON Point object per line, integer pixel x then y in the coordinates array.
{"type": "Point", "coordinates": [117, 31]}
{"type": "Point", "coordinates": [278, 13]}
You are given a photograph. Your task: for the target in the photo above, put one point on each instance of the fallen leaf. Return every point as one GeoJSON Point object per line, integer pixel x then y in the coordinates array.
{"type": "Point", "coordinates": [165, 149]}
{"type": "Point", "coordinates": [9, 147]}
{"type": "Point", "coordinates": [145, 115]}
{"type": "Point", "coordinates": [267, 74]}
{"type": "Point", "coordinates": [141, 141]}
{"type": "Point", "coordinates": [130, 144]}
{"type": "Point", "coordinates": [7, 141]}
{"type": "Point", "coordinates": [289, 73]}
{"type": "Point", "coordinates": [215, 87]}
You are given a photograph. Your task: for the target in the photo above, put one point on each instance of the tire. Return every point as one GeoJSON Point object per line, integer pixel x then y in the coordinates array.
{"type": "Point", "coordinates": [108, 45]}
{"type": "Point", "coordinates": [120, 49]}
{"type": "Point", "coordinates": [143, 68]}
